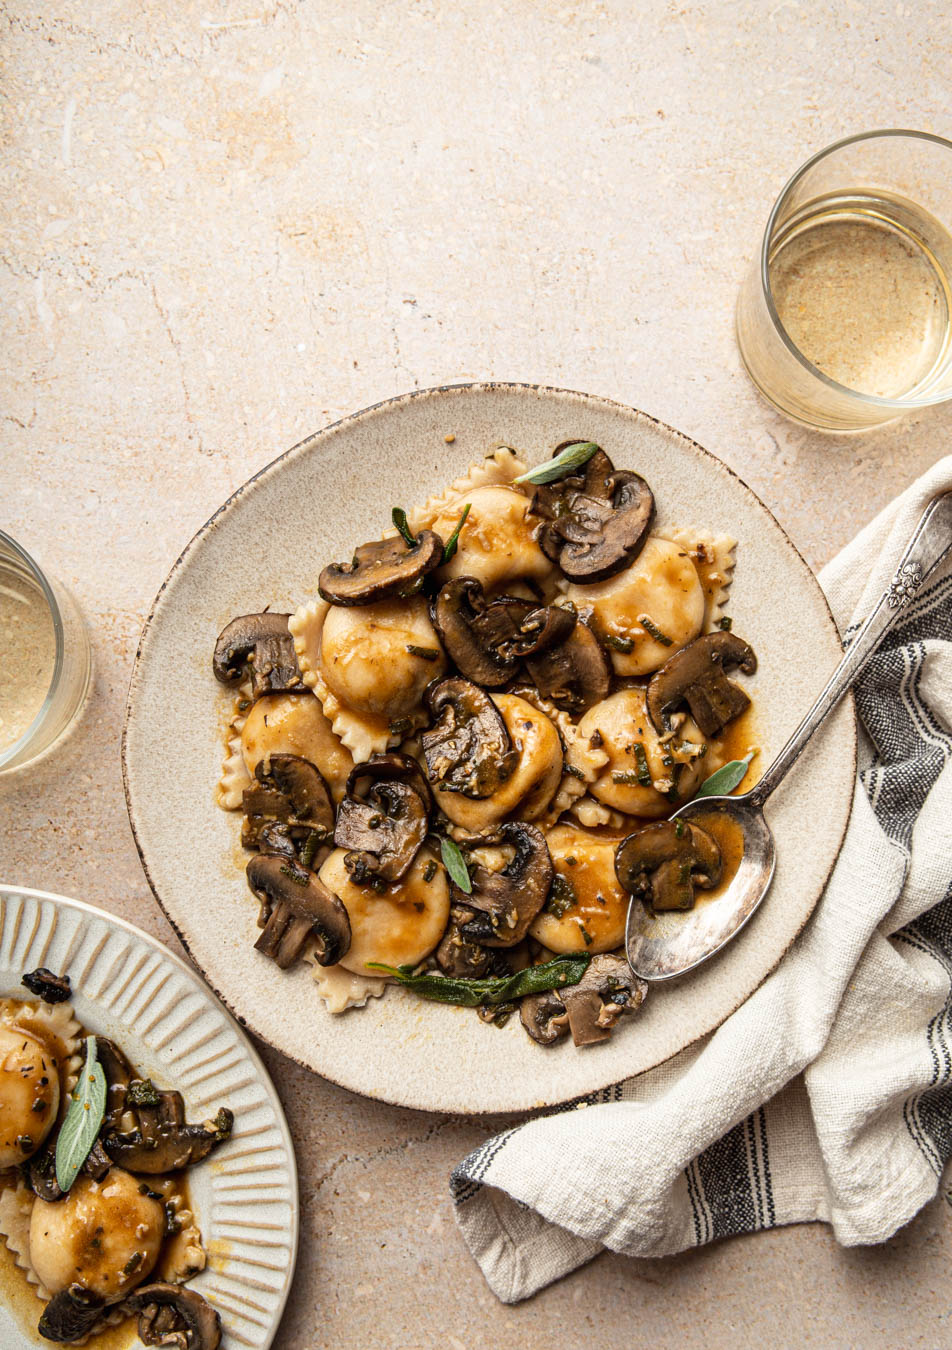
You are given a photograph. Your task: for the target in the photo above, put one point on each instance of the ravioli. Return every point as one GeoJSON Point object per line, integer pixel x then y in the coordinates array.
{"type": "Point", "coordinates": [661, 586]}
{"type": "Point", "coordinates": [29, 1095]}
{"type": "Point", "coordinates": [646, 775]}
{"type": "Point", "coordinates": [591, 905]}
{"type": "Point", "coordinates": [379, 658]}
{"type": "Point", "coordinates": [294, 724]}
{"type": "Point", "coordinates": [496, 543]}
{"type": "Point", "coordinates": [397, 925]}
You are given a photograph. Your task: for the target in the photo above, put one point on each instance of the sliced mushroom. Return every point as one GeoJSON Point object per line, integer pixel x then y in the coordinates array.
{"type": "Point", "coordinates": [575, 675]}
{"type": "Point", "coordinates": [665, 861]}
{"type": "Point", "coordinates": [608, 989]}
{"type": "Point", "coordinates": [391, 766]}
{"type": "Point", "coordinates": [382, 570]}
{"type": "Point", "coordinates": [487, 640]}
{"type": "Point", "coordinates": [119, 1074]}
{"type": "Point", "coordinates": [695, 675]}
{"type": "Point", "coordinates": [545, 1017]}
{"type": "Point", "coordinates": [597, 525]}
{"type": "Point", "coordinates": [469, 749]}
{"type": "Point", "coordinates": [163, 1141]}
{"type": "Point", "coordinates": [262, 645]}
{"type": "Point", "coordinates": [458, 956]}
{"type": "Point", "coordinates": [506, 902]}
{"type": "Point", "coordinates": [384, 833]}
{"type": "Point", "coordinates": [297, 907]}
{"type": "Point", "coordinates": [291, 790]}
{"type": "Point", "coordinates": [171, 1315]}
{"type": "Point", "coordinates": [47, 986]}
{"type": "Point", "coordinates": [70, 1315]}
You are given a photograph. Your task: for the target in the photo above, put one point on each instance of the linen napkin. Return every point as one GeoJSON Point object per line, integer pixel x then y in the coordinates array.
{"type": "Point", "coordinates": [828, 1094]}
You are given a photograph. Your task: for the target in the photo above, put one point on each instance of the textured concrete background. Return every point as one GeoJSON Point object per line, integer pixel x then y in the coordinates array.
{"type": "Point", "coordinates": [227, 224]}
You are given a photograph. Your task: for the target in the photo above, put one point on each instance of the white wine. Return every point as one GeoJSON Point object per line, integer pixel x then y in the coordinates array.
{"type": "Point", "coordinates": [27, 649]}
{"type": "Point", "coordinates": [862, 283]}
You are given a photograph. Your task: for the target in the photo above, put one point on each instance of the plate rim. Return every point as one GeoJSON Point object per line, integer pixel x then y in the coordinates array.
{"type": "Point", "coordinates": [312, 443]}
{"type": "Point", "coordinates": [190, 971]}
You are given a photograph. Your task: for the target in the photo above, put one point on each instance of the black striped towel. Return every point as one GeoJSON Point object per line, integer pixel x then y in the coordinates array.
{"type": "Point", "coordinates": [828, 1094]}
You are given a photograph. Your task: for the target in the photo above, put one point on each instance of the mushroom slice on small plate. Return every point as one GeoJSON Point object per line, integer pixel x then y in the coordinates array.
{"type": "Point", "coordinates": [695, 675]}
{"type": "Point", "coordinates": [163, 1141]}
{"type": "Point", "coordinates": [384, 833]}
{"type": "Point", "coordinates": [469, 749]}
{"type": "Point", "coordinates": [170, 1314]}
{"type": "Point", "coordinates": [506, 902]}
{"type": "Point", "coordinates": [663, 863]}
{"type": "Point", "coordinates": [608, 990]}
{"type": "Point", "coordinates": [262, 645]}
{"type": "Point", "coordinates": [297, 906]}
{"type": "Point", "coordinates": [597, 525]}
{"type": "Point", "coordinates": [71, 1315]}
{"type": "Point", "coordinates": [382, 570]}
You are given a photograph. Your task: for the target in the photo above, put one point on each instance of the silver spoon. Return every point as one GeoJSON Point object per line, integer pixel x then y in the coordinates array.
{"type": "Point", "coordinates": [660, 947]}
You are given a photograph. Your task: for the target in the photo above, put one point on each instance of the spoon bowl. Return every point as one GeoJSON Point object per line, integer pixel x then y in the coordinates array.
{"type": "Point", "coordinates": [664, 945]}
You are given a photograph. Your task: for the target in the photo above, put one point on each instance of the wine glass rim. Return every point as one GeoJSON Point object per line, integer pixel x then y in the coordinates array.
{"type": "Point", "coordinates": [897, 405]}
{"type": "Point", "coordinates": [16, 747]}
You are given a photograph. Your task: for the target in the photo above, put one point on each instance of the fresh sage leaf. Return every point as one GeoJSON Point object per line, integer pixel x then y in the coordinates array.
{"type": "Point", "coordinates": [455, 864]}
{"type": "Point", "coordinates": [726, 779]}
{"type": "Point", "coordinates": [82, 1121]}
{"type": "Point", "coordinates": [572, 457]}
{"type": "Point", "coordinates": [451, 543]}
{"type": "Point", "coordinates": [556, 974]}
{"type": "Point", "coordinates": [399, 518]}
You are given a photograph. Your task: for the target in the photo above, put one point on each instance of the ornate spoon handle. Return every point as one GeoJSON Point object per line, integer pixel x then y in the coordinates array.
{"type": "Point", "coordinates": [930, 542]}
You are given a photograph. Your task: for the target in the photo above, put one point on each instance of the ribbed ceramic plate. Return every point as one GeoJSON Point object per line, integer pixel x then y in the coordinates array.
{"type": "Point", "coordinates": [128, 987]}
{"type": "Point", "coordinates": [266, 546]}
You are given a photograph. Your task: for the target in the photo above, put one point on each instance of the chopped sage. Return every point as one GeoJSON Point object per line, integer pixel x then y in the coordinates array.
{"type": "Point", "coordinates": [427, 653]}
{"type": "Point", "coordinates": [586, 935]}
{"type": "Point", "coordinates": [726, 779]}
{"type": "Point", "coordinates": [399, 518]}
{"type": "Point", "coordinates": [641, 759]}
{"type": "Point", "coordinates": [451, 544]}
{"type": "Point", "coordinates": [295, 874]}
{"type": "Point", "coordinates": [561, 897]}
{"type": "Point", "coordinates": [625, 778]}
{"type": "Point", "coordinates": [572, 457]}
{"type": "Point", "coordinates": [81, 1124]}
{"type": "Point", "coordinates": [455, 864]}
{"type": "Point", "coordinates": [620, 644]}
{"type": "Point", "coordinates": [556, 974]}
{"type": "Point", "coordinates": [651, 627]}
{"type": "Point", "coordinates": [726, 623]}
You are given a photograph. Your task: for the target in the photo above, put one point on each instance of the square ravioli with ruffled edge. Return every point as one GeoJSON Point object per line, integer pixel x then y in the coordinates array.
{"type": "Point", "coordinates": [456, 762]}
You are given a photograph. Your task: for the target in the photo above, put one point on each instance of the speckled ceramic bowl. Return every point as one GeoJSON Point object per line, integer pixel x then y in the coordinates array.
{"type": "Point", "coordinates": [266, 546]}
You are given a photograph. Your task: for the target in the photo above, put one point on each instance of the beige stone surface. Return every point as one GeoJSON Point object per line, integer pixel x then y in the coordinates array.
{"type": "Point", "coordinates": [227, 223]}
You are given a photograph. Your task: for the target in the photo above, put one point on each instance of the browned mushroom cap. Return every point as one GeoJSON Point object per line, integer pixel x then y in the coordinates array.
{"type": "Point", "coordinates": [506, 902]}
{"type": "Point", "coordinates": [163, 1141]}
{"type": "Point", "coordinates": [298, 906]}
{"type": "Point", "coordinates": [456, 955]}
{"type": "Point", "coordinates": [545, 1017]}
{"type": "Point", "coordinates": [170, 1314]}
{"type": "Point", "coordinates": [596, 526]}
{"type": "Point", "coordinates": [70, 1315]}
{"type": "Point", "coordinates": [385, 833]}
{"type": "Point", "coordinates": [291, 790]}
{"type": "Point", "coordinates": [608, 989]}
{"type": "Point", "coordinates": [695, 675]}
{"type": "Point", "coordinates": [468, 750]}
{"type": "Point", "coordinates": [381, 570]}
{"type": "Point", "coordinates": [575, 675]}
{"type": "Point", "coordinates": [261, 644]}
{"type": "Point", "coordinates": [389, 767]}
{"type": "Point", "coordinates": [47, 986]}
{"type": "Point", "coordinates": [486, 641]}
{"type": "Point", "coordinates": [663, 862]}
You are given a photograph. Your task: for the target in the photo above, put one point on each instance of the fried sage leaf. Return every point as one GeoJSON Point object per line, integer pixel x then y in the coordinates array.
{"type": "Point", "coordinates": [453, 541]}
{"type": "Point", "coordinates": [725, 779]}
{"type": "Point", "coordinates": [81, 1125]}
{"type": "Point", "coordinates": [557, 974]}
{"type": "Point", "coordinates": [399, 518]}
{"type": "Point", "coordinates": [567, 460]}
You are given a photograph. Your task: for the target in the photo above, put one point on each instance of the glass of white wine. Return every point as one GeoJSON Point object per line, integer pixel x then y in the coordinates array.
{"type": "Point", "coordinates": [845, 318]}
{"type": "Point", "coordinates": [44, 658]}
